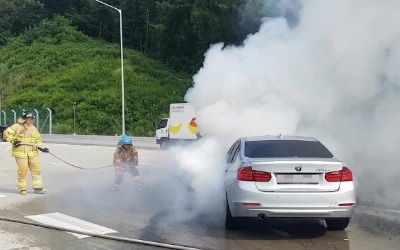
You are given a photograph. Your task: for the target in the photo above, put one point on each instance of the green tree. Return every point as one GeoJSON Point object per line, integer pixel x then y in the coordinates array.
{"type": "Point", "coordinates": [17, 15]}
{"type": "Point", "coordinates": [189, 27]}
{"type": "Point", "coordinates": [55, 31]}
{"type": "Point", "coordinates": [251, 14]}
{"type": "Point", "coordinates": [137, 15]}
{"type": "Point", "coordinates": [176, 31]}
{"type": "Point", "coordinates": [53, 64]}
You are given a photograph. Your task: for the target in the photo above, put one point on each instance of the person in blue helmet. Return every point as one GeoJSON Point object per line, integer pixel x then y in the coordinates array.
{"type": "Point", "coordinates": [125, 160]}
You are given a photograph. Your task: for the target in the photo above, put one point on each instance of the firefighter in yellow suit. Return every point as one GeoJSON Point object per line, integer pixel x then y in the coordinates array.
{"type": "Point", "coordinates": [26, 156]}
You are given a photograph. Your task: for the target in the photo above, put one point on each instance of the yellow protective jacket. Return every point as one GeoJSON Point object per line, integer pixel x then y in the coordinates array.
{"type": "Point", "coordinates": [23, 133]}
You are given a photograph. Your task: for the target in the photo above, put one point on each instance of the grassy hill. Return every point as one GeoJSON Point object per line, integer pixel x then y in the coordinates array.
{"type": "Point", "coordinates": [52, 65]}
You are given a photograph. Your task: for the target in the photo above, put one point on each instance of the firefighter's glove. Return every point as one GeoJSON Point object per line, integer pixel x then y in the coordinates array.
{"type": "Point", "coordinates": [44, 150]}
{"type": "Point", "coordinates": [16, 143]}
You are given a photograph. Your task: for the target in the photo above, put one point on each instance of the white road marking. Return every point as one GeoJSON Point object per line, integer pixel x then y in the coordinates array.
{"type": "Point", "coordinates": [65, 221]}
{"type": "Point", "coordinates": [2, 196]}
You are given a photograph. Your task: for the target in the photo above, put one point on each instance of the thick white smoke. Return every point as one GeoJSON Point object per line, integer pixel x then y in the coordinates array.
{"type": "Point", "coordinates": [332, 74]}
{"type": "Point", "coordinates": [200, 170]}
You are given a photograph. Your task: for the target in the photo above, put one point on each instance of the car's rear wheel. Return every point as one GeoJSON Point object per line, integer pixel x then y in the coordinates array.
{"type": "Point", "coordinates": [230, 222]}
{"type": "Point", "coordinates": [337, 223]}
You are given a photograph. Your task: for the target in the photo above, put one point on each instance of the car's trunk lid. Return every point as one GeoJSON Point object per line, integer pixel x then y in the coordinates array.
{"type": "Point", "coordinates": [297, 175]}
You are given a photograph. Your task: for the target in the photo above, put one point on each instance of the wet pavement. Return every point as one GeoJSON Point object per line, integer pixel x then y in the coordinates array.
{"type": "Point", "coordinates": [158, 208]}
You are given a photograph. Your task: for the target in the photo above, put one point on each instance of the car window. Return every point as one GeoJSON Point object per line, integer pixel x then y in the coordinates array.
{"type": "Point", "coordinates": [236, 153]}
{"type": "Point", "coordinates": [285, 148]}
{"type": "Point", "coordinates": [162, 124]}
{"type": "Point", "coordinates": [232, 150]}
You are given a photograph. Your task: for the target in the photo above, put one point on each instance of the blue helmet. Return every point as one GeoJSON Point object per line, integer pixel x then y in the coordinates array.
{"type": "Point", "coordinates": [125, 140]}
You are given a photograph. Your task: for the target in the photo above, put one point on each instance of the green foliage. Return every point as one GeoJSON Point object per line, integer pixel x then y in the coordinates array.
{"type": "Point", "coordinates": [55, 31]}
{"type": "Point", "coordinates": [182, 31]}
{"type": "Point", "coordinates": [17, 15]}
{"type": "Point", "coordinates": [178, 32]}
{"type": "Point", "coordinates": [52, 65]}
{"type": "Point", "coordinates": [62, 128]}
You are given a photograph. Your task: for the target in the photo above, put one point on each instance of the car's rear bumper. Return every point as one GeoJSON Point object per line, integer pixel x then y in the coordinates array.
{"type": "Point", "coordinates": [289, 204]}
{"type": "Point", "coordinates": [241, 211]}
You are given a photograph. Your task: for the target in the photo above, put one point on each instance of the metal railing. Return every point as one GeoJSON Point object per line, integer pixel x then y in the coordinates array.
{"type": "Point", "coordinates": [44, 118]}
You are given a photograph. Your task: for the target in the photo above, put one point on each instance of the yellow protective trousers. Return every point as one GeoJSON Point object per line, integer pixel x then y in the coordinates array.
{"type": "Point", "coordinates": [31, 163]}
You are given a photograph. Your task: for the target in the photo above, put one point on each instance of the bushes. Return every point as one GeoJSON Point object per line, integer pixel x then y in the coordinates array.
{"type": "Point", "coordinates": [62, 128]}
{"type": "Point", "coordinates": [56, 31]}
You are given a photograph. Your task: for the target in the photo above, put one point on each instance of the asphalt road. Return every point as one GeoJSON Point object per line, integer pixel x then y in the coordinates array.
{"type": "Point", "coordinates": [142, 142]}
{"type": "Point", "coordinates": [158, 208]}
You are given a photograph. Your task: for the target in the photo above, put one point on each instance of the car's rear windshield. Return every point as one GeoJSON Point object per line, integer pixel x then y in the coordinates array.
{"type": "Point", "coordinates": [285, 149]}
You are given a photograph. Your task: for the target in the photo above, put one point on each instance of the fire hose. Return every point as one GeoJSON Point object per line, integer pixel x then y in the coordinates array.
{"type": "Point", "coordinates": [103, 236]}
{"type": "Point", "coordinates": [108, 237]}
{"type": "Point", "coordinates": [70, 164]}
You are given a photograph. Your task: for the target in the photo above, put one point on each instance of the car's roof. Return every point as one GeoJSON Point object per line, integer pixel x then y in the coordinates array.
{"type": "Point", "coordinates": [279, 138]}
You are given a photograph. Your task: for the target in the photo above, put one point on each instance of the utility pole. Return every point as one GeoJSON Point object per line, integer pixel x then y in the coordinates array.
{"type": "Point", "coordinates": [74, 105]}
{"type": "Point", "coordinates": [122, 64]}
{"type": "Point", "coordinates": [1, 94]}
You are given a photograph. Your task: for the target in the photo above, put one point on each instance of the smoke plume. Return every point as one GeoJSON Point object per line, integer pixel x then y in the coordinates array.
{"type": "Point", "coordinates": [326, 69]}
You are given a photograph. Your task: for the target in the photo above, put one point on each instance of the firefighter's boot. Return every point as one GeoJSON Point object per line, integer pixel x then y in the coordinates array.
{"type": "Point", "coordinates": [40, 190]}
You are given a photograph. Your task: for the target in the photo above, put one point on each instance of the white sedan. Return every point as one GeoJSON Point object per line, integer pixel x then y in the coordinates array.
{"type": "Point", "coordinates": [287, 177]}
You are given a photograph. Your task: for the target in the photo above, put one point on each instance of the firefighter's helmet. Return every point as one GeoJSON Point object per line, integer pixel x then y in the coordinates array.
{"type": "Point", "coordinates": [28, 114]}
{"type": "Point", "coordinates": [125, 140]}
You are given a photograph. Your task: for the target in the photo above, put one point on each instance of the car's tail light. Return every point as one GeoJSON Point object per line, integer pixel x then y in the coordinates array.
{"type": "Point", "coordinates": [333, 176]}
{"type": "Point", "coordinates": [261, 176]}
{"type": "Point", "coordinates": [245, 174]}
{"type": "Point", "coordinates": [248, 174]}
{"type": "Point", "coordinates": [347, 175]}
{"type": "Point", "coordinates": [343, 175]}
